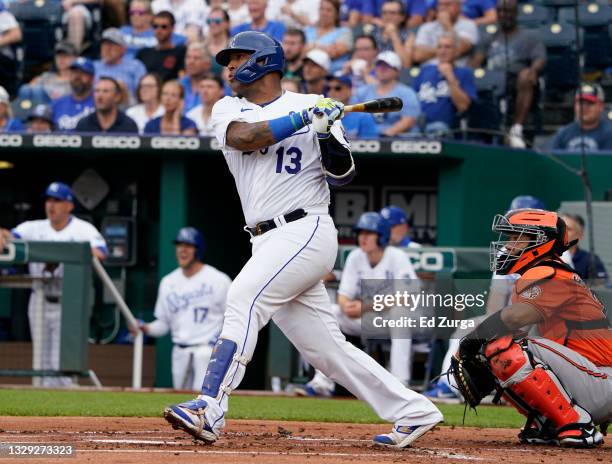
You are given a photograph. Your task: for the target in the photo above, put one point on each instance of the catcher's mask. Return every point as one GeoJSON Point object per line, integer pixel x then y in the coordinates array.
{"type": "Point", "coordinates": [526, 235]}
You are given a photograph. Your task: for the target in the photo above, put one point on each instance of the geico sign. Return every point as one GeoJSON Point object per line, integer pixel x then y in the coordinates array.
{"type": "Point", "coordinates": [177, 143]}
{"type": "Point", "coordinates": [7, 140]}
{"type": "Point", "coordinates": [431, 261]}
{"type": "Point", "coordinates": [416, 146]}
{"type": "Point", "coordinates": [366, 146]}
{"type": "Point", "coordinates": [102, 141]}
{"type": "Point", "coordinates": [62, 141]}
{"type": "Point", "coordinates": [214, 144]}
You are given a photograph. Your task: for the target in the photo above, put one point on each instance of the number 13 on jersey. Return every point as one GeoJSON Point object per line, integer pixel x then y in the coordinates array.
{"type": "Point", "coordinates": [290, 160]}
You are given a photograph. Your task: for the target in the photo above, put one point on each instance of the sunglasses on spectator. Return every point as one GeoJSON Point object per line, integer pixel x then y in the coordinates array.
{"type": "Point", "coordinates": [214, 20]}
{"type": "Point", "coordinates": [161, 26]}
{"type": "Point", "coordinates": [138, 12]}
{"type": "Point", "coordinates": [337, 88]}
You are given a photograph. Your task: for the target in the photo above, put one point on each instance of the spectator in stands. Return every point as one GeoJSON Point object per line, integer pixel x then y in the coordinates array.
{"type": "Point", "coordinates": [10, 34]}
{"type": "Point", "coordinates": [372, 11]}
{"type": "Point", "coordinates": [165, 59]}
{"type": "Point", "coordinates": [172, 122]}
{"type": "Point", "coordinates": [293, 46]}
{"type": "Point", "coordinates": [522, 56]}
{"type": "Point", "coordinates": [299, 13]}
{"type": "Point", "coordinates": [350, 13]}
{"type": "Point", "coordinates": [197, 65]}
{"type": "Point", "coordinates": [7, 123]}
{"type": "Point", "coordinates": [315, 69]}
{"type": "Point", "coordinates": [51, 85]}
{"type": "Point", "coordinates": [149, 105]}
{"type": "Point", "coordinates": [189, 16]}
{"type": "Point", "coordinates": [481, 11]}
{"type": "Point", "coordinates": [78, 20]}
{"type": "Point", "coordinates": [361, 65]}
{"type": "Point", "coordinates": [218, 35]}
{"type": "Point", "coordinates": [581, 259]}
{"type": "Point", "coordinates": [67, 110]}
{"type": "Point", "coordinates": [257, 11]}
{"type": "Point", "coordinates": [211, 91]}
{"type": "Point", "coordinates": [388, 65]}
{"type": "Point", "coordinates": [238, 12]}
{"type": "Point", "coordinates": [591, 130]}
{"type": "Point", "coordinates": [291, 85]}
{"type": "Point", "coordinates": [444, 89]}
{"type": "Point", "coordinates": [327, 35]}
{"type": "Point", "coordinates": [107, 117]}
{"type": "Point", "coordinates": [40, 119]}
{"type": "Point", "coordinates": [113, 62]}
{"type": "Point", "coordinates": [356, 125]}
{"type": "Point", "coordinates": [449, 19]}
{"type": "Point", "coordinates": [392, 33]}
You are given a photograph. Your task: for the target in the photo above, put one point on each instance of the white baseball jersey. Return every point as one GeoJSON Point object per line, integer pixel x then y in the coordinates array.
{"type": "Point", "coordinates": [280, 178]}
{"type": "Point", "coordinates": [192, 308]}
{"type": "Point", "coordinates": [77, 230]}
{"type": "Point", "coordinates": [395, 264]}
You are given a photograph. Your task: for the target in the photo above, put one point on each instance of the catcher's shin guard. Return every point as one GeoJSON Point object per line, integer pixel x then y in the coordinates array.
{"type": "Point", "coordinates": [536, 390]}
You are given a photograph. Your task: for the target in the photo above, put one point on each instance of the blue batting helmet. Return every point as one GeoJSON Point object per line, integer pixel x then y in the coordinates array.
{"type": "Point", "coordinates": [266, 55]}
{"type": "Point", "coordinates": [526, 201]}
{"type": "Point", "coordinates": [374, 222]}
{"type": "Point", "coordinates": [394, 214]}
{"type": "Point", "coordinates": [191, 236]}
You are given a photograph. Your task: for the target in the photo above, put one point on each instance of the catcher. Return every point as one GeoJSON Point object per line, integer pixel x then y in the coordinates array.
{"type": "Point", "coordinates": [559, 375]}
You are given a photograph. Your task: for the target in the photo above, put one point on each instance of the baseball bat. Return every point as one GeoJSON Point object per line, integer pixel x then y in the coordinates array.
{"type": "Point", "coordinates": [380, 105]}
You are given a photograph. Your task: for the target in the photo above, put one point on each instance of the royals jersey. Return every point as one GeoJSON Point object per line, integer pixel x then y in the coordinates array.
{"type": "Point", "coordinates": [193, 307]}
{"type": "Point", "coordinates": [41, 230]}
{"type": "Point", "coordinates": [280, 178]}
{"type": "Point", "coordinates": [395, 264]}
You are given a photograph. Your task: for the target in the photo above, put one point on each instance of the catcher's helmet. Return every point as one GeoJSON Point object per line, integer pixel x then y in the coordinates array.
{"type": "Point", "coordinates": [374, 222]}
{"type": "Point", "coordinates": [526, 201]}
{"type": "Point", "coordinates": [394, 214]}
{"type": "Point", "coordinates": [191, 236]}
{"type": "Point", "coordinates": [266, 55]}
{"type": "Point", "coordinates": [537, 234]}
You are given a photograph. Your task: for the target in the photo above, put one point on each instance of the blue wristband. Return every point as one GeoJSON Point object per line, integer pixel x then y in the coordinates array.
{"type": "Point", "coordinates": [285, 126]}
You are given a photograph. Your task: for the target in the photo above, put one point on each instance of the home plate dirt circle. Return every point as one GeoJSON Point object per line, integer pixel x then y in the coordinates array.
{"type": "Point", "coordinates": [103, 440]}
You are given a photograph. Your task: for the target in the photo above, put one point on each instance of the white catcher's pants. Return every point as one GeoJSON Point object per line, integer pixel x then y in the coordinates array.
{"type": "Point", "coordinates": [282, 281]}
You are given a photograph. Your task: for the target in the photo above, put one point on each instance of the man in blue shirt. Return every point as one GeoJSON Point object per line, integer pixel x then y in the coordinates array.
{"type": "Point", "coordinates": [257, 11]}
{"type": "Point", "coordinates": [581, 259]}
{"type": "Point", "coordinates": [197, 65]}
{"type": "Point", "coordinates": [114, 62]}
{"type": "Point", "coordinates": [67, 110]}
{"type": "Point", "coordinates": [444, 89]}
{"type": "Point", "coordinates": [356, 125]}
{"type": "Point", "coordinates": [400, 123]}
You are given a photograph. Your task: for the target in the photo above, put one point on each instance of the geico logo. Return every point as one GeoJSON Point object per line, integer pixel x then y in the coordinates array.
{"type": "Point", "coordinates": [102, 141]}
{"type": "Point", "coordinates": [416, 146]}
{"type": "Point", "coordinates": [431, 261]}
{"type": "Point", "coordinates": [367, 146]}
{"type": "Point", "coordinates": [214, 144]}
{"type": "Point", "coordinates": [178, 143]}
{"type": "Point", "coordinates": [10, 140]}
{"type": "Point", "coordinates": [62, 141]}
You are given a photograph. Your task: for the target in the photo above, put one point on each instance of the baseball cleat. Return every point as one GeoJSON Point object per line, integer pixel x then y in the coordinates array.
{"type": "Point", "coordinates": [579, 436]}
{"type": "Point", "coordinates": [307, 390]}
{"type": "Point", "coordinates": [402, 435]}
{"type": "Point", "coordinates": [190, 417]}
{"type": "Point", "coordinates": [441, 391]}
{"type": "Point", "coordinates": [532, 435]}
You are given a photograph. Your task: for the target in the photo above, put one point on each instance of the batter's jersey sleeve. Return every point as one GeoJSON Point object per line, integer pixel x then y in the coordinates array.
{"type": "Point", "coordinates": [226, 111]}
{"type": "Point", "coordinates": [350, 283]}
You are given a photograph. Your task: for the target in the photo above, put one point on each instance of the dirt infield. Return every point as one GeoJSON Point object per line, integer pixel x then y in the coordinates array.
{"type": "Point", "coordinates": [150, 440]}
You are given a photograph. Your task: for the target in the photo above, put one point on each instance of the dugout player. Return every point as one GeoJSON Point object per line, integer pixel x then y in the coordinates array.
{"type": "Point", "coordinates": [283, 149]}
{"type": "Point", "coordinates": [560, 375]}
{"type": "Point", "coordinates": [59, 226]}
{"type": "Point", "coordinates": [190, 305]}
{"type": "Point", "coordinates": [400, 227]}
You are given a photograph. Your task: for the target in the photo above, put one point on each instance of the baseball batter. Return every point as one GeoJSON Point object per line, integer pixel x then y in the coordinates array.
{"type": "Point", "coordinates": [282, 149]}
{"type": "Point", "coordinates": [59, 226]}
{"type": "Point", "coordinates": [190, 305]}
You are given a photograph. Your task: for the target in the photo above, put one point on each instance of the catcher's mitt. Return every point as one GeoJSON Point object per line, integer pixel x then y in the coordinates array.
{"type": "Point", "coordinates": [473, 376]}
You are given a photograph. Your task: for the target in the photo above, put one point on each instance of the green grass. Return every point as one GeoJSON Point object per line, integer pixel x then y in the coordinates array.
{"type": "Point", "coordinates": [121, 404]}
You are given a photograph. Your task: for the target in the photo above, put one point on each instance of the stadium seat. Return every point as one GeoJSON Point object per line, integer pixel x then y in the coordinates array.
{"type": "Point", "coordinates": [562, 71]}
{"type": "Point", "coordinates": [21, 107]}
{"type": "Point", "coordinates": [407, 75]}
{"type": "Point", "coordinates": [533, 16]}
{"type": "Point", "coordinates": [485, 114]}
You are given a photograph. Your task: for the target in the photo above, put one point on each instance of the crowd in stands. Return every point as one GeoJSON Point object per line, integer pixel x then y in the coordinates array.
{"type": "Point", "coordinates": [155, 60]}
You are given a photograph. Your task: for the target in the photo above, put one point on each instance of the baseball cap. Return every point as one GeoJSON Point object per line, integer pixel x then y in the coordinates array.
{"type": "Point", "coordinates": [4, 96]}
{"type": "Point", "coordinates": [394, 215]}
{"type": "Point", "coordinates": [390, 58]}
{"type": "Point", "coordinates": [41, 112]}
{"type": "Point", "coordinates": [83, 64]}
{"type": "Point", "coordinates": [65, 47]}
{"type": "Point", "coordinates": [590, 92]}
{"type": "Point", "coordinates": [114, 35]}
{"type": "Point", "coordinates": [60, 191]}
{"type": "Point", "coordinates": [319, 57]}
{"type": "Point", "coordinates": [344, 79]}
